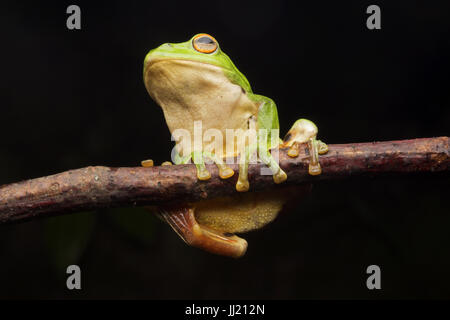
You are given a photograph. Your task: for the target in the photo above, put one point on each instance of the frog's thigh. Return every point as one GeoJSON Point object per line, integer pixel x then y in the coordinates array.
{"type": "Point", "coordinates": [182, 220]}
{"type": "Point", "coordinates": [237, 214]}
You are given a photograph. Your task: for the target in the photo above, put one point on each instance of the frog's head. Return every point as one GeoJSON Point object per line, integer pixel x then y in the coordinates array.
{"type": "Point", "coordinates": [173, 67]}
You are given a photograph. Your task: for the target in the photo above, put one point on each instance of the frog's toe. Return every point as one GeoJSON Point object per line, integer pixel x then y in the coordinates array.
{"type": "Point", "coordinates": [225, 172]}
{"type": "Point", "coordinates": [147, 163]}
{"type": "Point", "coordinates": [294, 150]}
{"type": "Point", "coordinates": [314, 170]}
{"type": "Point", "coordinates": [322, 147]}
{"type": "Point", "coordinates": [203, 174]}
{"type": "Point", "coordinates": [166, 163]}
{"type": "Point", "coordinates": [280, 176]}
{"type": "Point", "coordinates": [242, 185]}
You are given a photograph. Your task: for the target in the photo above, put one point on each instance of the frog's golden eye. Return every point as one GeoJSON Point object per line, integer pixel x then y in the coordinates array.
{"type": "Point", "coordinates": [204, 43]}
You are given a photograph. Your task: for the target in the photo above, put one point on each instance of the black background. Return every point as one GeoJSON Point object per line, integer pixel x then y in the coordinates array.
{"type": "Point", "coordinates": [70, 99]}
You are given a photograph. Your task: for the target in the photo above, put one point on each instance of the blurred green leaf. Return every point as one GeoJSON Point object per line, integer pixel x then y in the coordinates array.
{"type": "Point", "coordinates": [138, 223]}
{"type": "Point", "coordinates": [66, 237]}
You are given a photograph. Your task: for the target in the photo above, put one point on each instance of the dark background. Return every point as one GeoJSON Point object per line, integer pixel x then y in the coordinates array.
{"type": "Point", "coordinates": [71, 99]}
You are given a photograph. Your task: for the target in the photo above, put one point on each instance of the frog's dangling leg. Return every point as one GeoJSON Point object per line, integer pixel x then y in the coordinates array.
{"type": "Point", "coordinates": [305, 131]}
{"type": "Point", "coordinates": [225, 171]}
{"type": "Point", "coordinates": [182, 221]}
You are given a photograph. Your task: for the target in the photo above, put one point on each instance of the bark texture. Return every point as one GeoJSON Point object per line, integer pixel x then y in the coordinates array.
{"type": "Point", "coordinates": [100, 187]}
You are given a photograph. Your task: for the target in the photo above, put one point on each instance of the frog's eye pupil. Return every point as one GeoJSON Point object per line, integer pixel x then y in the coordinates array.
{"type": "Point", "coordinates": [205, 43]}
{"type": "Point", "coordinates": [205, 40]}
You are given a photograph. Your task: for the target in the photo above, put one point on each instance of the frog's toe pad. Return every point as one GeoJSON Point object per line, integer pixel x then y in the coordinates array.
{"type": "Point", "coordinates": [322, 147]}
{"type": "Point", "coordinates": [147, 163]}
{"type": "Point", "coordinates": [314, 170]}
{"type": "Point", "coordinates": [226, 173]}
{"type": "Point", "coordinates": [166, 163]}
{"type": "Point", "coordinates": [203, 175]}
{"type": "Point", "coordinates": [242, 186]}
{"type": "Point", "coordinates": [294, 150]}
{"type": "Point", "coordinates": [280, 177]}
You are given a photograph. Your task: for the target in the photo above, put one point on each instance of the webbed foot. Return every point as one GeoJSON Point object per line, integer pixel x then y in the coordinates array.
{"type": "Point", "coordinates": [182, 220]}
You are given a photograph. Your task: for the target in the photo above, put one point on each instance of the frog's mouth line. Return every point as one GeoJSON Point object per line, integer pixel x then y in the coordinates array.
{"type": "Point", "coordinates": [151, 62]}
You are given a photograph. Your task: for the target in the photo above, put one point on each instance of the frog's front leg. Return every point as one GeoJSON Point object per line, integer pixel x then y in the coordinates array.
{"type": "Point", "coordinates": [305, 131]}
{"type": "Point", "coordinates": [267, 138]}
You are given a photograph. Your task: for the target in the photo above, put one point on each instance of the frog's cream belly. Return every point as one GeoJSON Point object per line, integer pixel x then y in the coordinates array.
{"type": "Point", "coordinates": [240, 213]}
{"type": "Point", "coordinates": [198, 94]}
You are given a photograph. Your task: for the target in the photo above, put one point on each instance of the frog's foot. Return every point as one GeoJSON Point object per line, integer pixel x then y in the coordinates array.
{"type": "Point", "coordinates": [305, 131]}
{"type": "Point", "coordinates": [225, 172]}
{"type": "Point", "coordinates": [182, 221]}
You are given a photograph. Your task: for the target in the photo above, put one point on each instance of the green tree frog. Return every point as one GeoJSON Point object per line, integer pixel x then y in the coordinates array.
{"type": "Point", "coordinates": [196, 82]}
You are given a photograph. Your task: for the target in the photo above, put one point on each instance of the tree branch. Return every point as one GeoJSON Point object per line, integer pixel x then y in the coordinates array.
{"type": "Point", "coordinates": [100, 187]}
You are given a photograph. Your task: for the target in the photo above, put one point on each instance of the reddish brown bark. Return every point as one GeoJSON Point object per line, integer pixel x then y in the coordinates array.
{"type": "Point", "coordinates": [99, 187]}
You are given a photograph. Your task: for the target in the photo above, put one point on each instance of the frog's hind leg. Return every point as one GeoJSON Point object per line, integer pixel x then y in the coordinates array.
{"type": "Point", "coordinates": [305, 131]}
{"type": "Point", "coordinates": [182, 220]}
